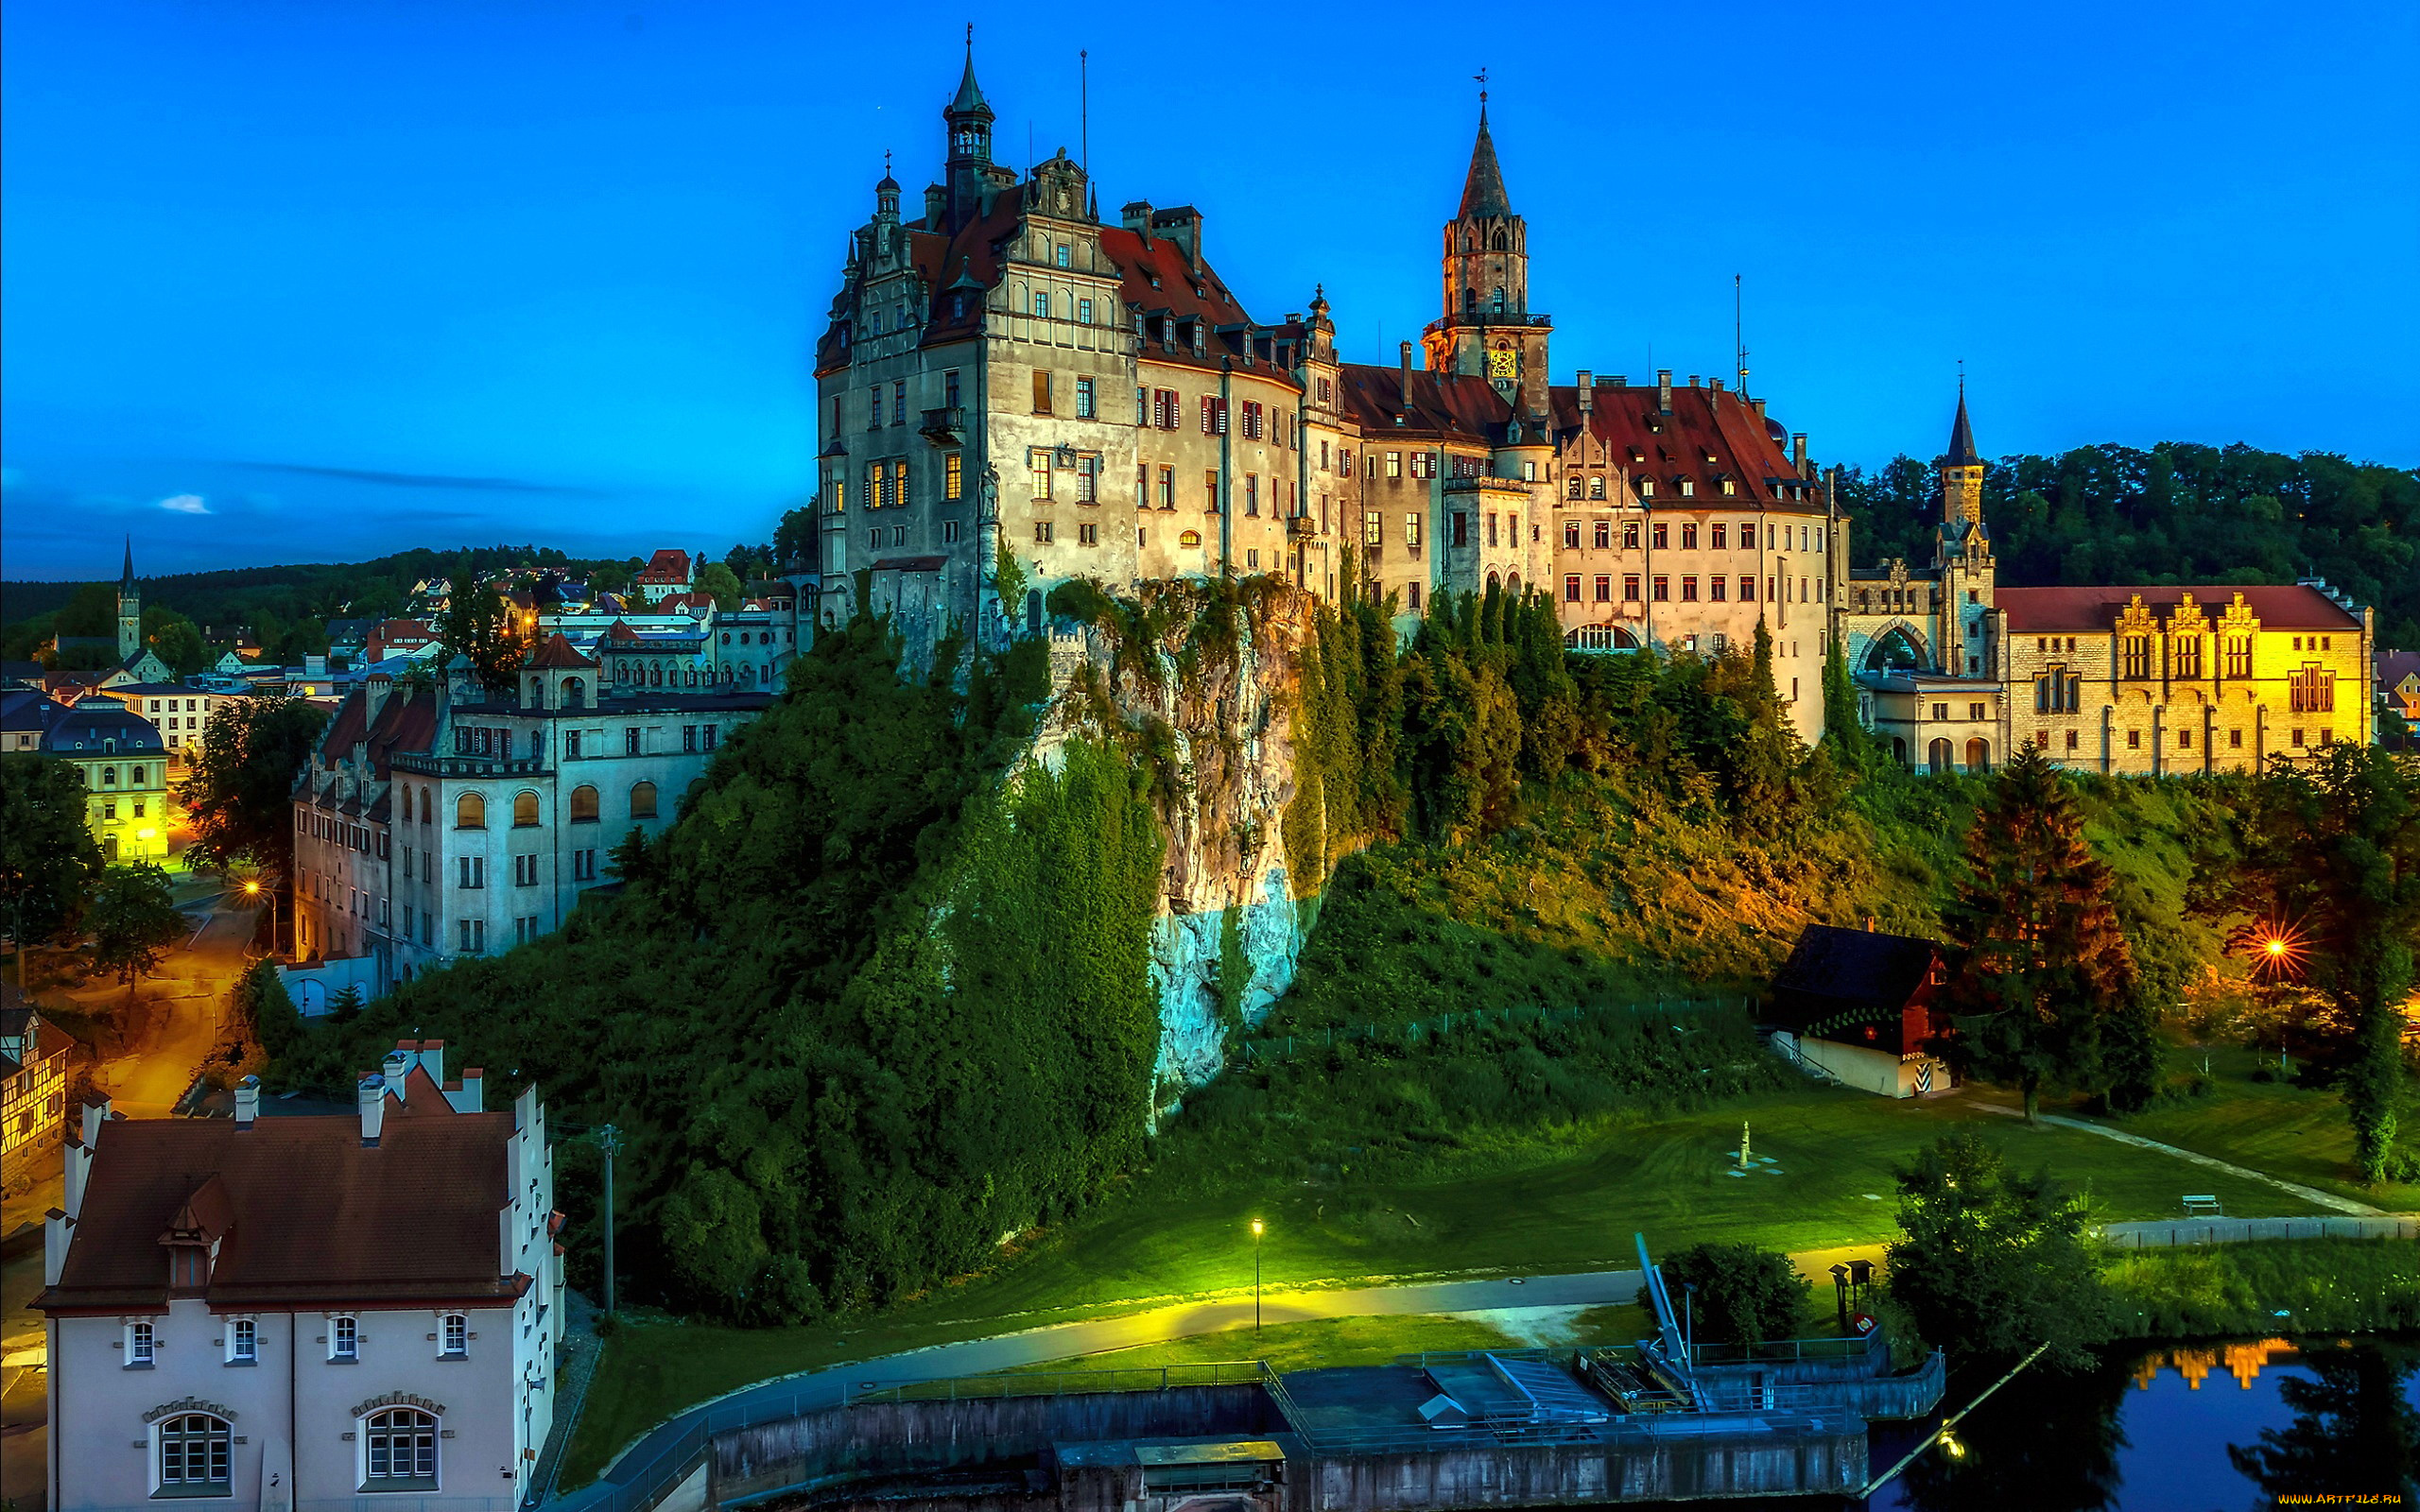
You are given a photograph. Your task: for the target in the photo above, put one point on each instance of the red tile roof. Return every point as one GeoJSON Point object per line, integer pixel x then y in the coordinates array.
{"type": "Point", "coordinates": [559, 654]}
{"type": "Point", "coordinates": [1457, 406]}
{"type": "Point", "coordinates": [668, 565]}
{"type": "Point", "coordinates": [310, 1215]}
{"type": "Point", "coordinates": [2278, 607]}
{"type": "Point", "coordinates": [1705, 422]}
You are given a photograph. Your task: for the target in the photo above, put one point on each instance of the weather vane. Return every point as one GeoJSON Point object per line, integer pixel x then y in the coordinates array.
{"type": "Point", "coordinates": [1481, 76]}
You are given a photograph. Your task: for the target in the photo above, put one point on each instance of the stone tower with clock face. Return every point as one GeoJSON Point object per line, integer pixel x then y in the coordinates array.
{"type": "Point", "coordinates": [1488, 327]}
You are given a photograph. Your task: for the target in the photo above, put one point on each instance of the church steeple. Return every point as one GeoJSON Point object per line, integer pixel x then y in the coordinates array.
{"type": "Point", "coordinates": [1961, 435]}
{"type": "Point", "coordinates": [130, 608]}
{"type": "Point", "coordinates": [1962, 483]}
{"type": "Point", "coordinates": [1484, 194]}
{"type": "Point", "coordinates": [1488, 328]}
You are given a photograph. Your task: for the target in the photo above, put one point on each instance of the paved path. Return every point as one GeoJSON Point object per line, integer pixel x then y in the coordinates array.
{"type": "Point", "coordinates": [2312, 1194]}
{"type": "Point", "coordinates": [204, 966]}
{"type": "Point", "coordinates": [811, 1389]}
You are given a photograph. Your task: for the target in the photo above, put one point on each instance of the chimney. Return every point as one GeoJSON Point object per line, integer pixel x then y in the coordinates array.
{"type": "Point", "coordinates": [471, 1098]}
{"type": "Point", "coordinates": [394, 1068]}
{"type": "Point", "coordinates": [1693, 380]}
{"type": "Point", "coordinates": [370, 1095]}
{"type": "Point", "coordinates": [432, 1058]}
{"type": "Point", "coordinates": [1868, 923]}
{"type": "Point", "coordinates": [1587, 392]}
{"type": "Point", "coordinates": [1182, 226]}
{"type": "Point", "coordinates": [374, 689]}
{"type": "Point", "coordinates": [1136, 217]}
{"type": "Point", "coordinates": [1798, 453]}
{"type": "Point", "coordinates": [1618, 380]}
{"type": "Point", "coordinates": [1403, 357]}
{"type": "Point", "coordinates": [1759, 406]}
{"type": "Point", "coordinates": [936, 206]}
{"type": "Point", "coordinates": [1664, 390]}
{"type": "Point", "coordinates": [248, 1101]}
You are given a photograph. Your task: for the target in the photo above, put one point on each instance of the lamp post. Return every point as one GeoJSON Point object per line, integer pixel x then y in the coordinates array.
{"type": "Point", "coordinates": [1255, 1279]}
{"type": "Point", "coordinates": [252, 890]}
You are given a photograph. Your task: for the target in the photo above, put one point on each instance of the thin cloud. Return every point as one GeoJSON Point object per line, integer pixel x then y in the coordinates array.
{"type": "Point", "coordinates": [421, 480]}
{"type": "Point", "coordinates": [185, 504]}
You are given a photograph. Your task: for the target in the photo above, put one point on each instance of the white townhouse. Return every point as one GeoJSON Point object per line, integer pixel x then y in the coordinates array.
{"type": "Point", "coordinates": [293, 1313]}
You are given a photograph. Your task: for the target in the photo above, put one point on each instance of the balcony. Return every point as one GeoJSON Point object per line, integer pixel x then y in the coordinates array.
{"type": "Point", "coordinates": [1302, 524]}
{"type": "Point", "coordinates": [945, 426]}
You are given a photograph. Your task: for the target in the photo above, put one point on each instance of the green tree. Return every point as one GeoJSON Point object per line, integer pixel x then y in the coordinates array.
{"type": "Point", "coordinates": [1738, 1294]}
{"type": "Point", "coordinates": [2354, 1434]}
{"type": "Point", "coordinates": [2044, 964]}
{"type": "Point", "coordinates": [478, 623]}
{"type": "Point", "coordinates": [794, 539]}
{"type": "Point", "coordinates": [48, 858]}
{"type": "Point", "coordinates": [268, 1009]}
{"type": "Point", "coordinates": [135, 918]}
{"type": "Point", "coordinates": [718, 580]}
{"type": "Point", "coordinates": [2334, 850]}
{"type": "Point", "coordinates": [238, 795]}
{"type": "Point", "coordinates": [1994, 1260]}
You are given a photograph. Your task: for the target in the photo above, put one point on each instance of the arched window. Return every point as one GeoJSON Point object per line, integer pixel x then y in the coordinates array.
{"type": "Point", "coordinates": [134, 777]}
{"type": "Point", "coordinates": [1938, 757]}
{"type": "Point", "coordinates": [1190, 541]}
{"type": "Point", "coordinates": [1502, 243]}
{"type": "Point", "coordinates": [398, 1450]}
{"type": "Point", "coordinates": [1979, 755]}
{"type": "Point", "coordinates": [194, 1454]}
{"type": "Point", "coordinates": [109, 776]}
{"type": "Point", "coordinates": [643, 800]}
{"type": "Point", "coordinates": [575, 693]}
{"type": "Point", "coordinates": [470, 812]}
{"type": "Point", "coordinates": [525, 811]}
{"type": "Point", "coordinates": [428, 805]}
{"type": "Point", "coordinates": [408, 803]}
{"type": "Point", "coordinates": [583, 805]}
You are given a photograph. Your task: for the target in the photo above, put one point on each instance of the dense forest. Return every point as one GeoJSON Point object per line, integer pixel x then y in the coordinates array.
{"type": "Point", "coordinates": [2179, 512]}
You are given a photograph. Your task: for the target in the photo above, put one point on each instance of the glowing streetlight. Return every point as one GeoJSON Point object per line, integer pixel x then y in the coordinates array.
{"type": "Point", "coordinates": [1255, 1279]}
{"type": "Point", "coordinates": [252, 890]}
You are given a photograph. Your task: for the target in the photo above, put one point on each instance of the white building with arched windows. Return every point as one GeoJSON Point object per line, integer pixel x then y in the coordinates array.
{"type": "Point", "coordinates": [296, 1311]}
{"type": "Point", "coordinates": [438, 822]}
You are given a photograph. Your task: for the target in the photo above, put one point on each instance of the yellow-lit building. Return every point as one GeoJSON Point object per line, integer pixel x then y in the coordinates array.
{"type": "Point", "coordinates": [125, 777]}
{"type": "Point", "coordinates": [1956, 671]}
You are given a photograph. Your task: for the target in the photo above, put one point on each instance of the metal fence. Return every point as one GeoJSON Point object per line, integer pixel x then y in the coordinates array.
{"type": "Point", "coordinates": [2168, 1233]}
{"type": "Point", "coordinates": [1418, 1032]}
{"type": "Point", "coordinates": [1066, 1383]}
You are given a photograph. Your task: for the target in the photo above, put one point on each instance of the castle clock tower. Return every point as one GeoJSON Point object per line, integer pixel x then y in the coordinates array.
{"type": "Point", "coordinates": [1487, 328]}
{"type": "Point", "coordinates": [1962, 554]}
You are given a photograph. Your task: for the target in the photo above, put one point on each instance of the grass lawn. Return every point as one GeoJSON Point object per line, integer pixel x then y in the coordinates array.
{"type": "Point", "coordinates": [1302, 1346]}
{"type": "Point", "coordinates": [2288, 1131]}
{"type": "Point", "coordinates": [1567, 1208]}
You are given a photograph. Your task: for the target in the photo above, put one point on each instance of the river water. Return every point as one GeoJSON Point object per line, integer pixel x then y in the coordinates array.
{"type": "Point", "coordinates": [2185, 1428]}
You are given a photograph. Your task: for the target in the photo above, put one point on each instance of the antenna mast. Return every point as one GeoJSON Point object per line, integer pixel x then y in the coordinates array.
{"type": "Point", "coordinates": [1084, 111]}
{"type": "Point", "coordinates": [1739, 335]}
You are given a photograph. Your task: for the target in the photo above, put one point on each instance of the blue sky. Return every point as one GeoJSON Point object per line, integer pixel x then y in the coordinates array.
{"type": "Point", "coordinates": [280, 277]}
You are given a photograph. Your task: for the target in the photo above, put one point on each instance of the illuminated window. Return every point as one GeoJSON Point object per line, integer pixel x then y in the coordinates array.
{"type": "Point", "coordinates": [583, 805]}
{"type": "Point", "coordinates": [1190, 541]}
{"type": "Point", "coordinates": [953, 476]}
{"type": "Point", "coordinates": [470, 812]}
{"type": "Point", "coordinates": [525, 811]}
{"type": "Point", "coordinates": [643, 800]}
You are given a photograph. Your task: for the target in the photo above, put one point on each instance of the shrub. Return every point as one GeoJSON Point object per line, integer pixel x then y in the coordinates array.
{"type": "Point", "coordinates": [1744, 1295]}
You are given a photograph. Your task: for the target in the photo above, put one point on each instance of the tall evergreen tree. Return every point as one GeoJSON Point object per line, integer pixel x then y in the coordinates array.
{"type": "Point", "coordinates": [47, 852]}
{"type": "Point", "coordinates": [2045, 964]}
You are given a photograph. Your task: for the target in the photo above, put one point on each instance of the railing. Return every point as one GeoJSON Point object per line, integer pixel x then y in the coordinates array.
{"type": "Point", "coordinates": [428, 766]}
{"type": "Point", "coordinates": [1860, 1350]}
{"type": "Point", "coordinates": [1068, 1383]}
{"type": "Point", "coordinates": [1302, 525]}
{"type": "Point", "coordinates": [950, 420]}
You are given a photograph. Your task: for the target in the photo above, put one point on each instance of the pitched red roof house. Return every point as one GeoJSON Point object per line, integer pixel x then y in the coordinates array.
{"type": "Point", "coordinates": [2278, 607]}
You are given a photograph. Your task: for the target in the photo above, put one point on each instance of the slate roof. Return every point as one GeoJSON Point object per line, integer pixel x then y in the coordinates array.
{"type": "Point", "coordinates": [1855, 968]}
{"type": "Point", "coordinates": [87, 729]}
{"type": "Point", "coordinates": [309, 1215]}
{"type": "Point", "coordinates": [2287, 607]}
{"type": "Point", "coordinates": [1484, 194]}
{"type": "Point", "coordinates": [1704, 423]}
{"type": "Point", "coordinates": [1457, 406]}
{"type": "Point", "coordinates": [1961, 438]}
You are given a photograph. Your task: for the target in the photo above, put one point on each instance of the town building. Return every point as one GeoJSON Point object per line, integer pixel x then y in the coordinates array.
{"type": "Point", "coordinates": [441, 820]}
{"type": "Point", "coordinates": [1955, 670]}
{"type": "Point", "coordinates": [178, 712]}
{"type": "Point", "coordinates": [134, 662]}
{"type": "Point", "coordinates": [34, 1059]}
{"type": "Point", "coordinates": [295, 1312]}
{"type": "Point", "coordinates": [123, 766]}
{"type": "Point", "coordinates": [667, 573]}
{"type": "Point", "coordinates": [1861, 1007]}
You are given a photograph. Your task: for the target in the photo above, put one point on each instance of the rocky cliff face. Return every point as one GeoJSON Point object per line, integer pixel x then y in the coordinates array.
{"type": "Point", "coordinates": [1200, 681]}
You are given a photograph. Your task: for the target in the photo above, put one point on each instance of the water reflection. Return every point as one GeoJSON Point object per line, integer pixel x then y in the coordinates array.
{"type": "Point", "coordinates": [2142, 1434]}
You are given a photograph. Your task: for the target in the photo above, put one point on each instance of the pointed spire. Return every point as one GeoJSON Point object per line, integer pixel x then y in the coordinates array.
{"type": "Point", "coordinates": [1961, 435]}
{"type": "Point", "coordinates": [1483, 192]}
{"type": "Point", "coordinates": [126, 578]}
{"type": "Point", "coordinates": [970, 99]}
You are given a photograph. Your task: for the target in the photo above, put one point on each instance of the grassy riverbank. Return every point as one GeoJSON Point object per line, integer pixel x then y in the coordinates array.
{"type": "Point", "coordinates": [2284, 1286]}
{"type": "Point", "coordinates": [1559, 1200]}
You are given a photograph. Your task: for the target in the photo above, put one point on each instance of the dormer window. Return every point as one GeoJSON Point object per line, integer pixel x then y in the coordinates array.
{"type": "Point", "coordinates": [188, 1267]}
{"type": "Point", "coordinates": [1729, 488]}
{"type": "Point", "coordinates": [1688, 487]}
{"type": "Point", "coordinates": [1647, 487]}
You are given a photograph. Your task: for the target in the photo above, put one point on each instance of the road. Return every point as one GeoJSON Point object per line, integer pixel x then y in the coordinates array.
{"type": "Point", "coordinates": [1060, 1341]}
{"type": "Point", "coordinates": [147, 1085]}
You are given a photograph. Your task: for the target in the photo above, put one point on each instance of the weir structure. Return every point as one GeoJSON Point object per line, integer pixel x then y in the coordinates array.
{"type": "Point", "coordinates": [1663, 1419]}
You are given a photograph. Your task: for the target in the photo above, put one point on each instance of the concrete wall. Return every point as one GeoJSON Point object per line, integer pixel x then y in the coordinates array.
{"type": "Point", "coordinates": [1882, 1072]}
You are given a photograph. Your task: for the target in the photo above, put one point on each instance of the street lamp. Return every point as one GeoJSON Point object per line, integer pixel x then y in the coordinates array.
{"type": "Point", "coordinates": [252, 890]}
{"type": "Point", "coordinates": [1255, 1279]}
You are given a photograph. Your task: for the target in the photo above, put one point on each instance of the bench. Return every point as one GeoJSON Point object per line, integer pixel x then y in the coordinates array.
{"type": "Point", "coordinates": [2203, 1206]}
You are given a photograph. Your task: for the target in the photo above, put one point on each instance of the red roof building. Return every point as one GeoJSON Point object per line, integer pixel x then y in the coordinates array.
{"type": "Point", "coordinates": [386, 1280]}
